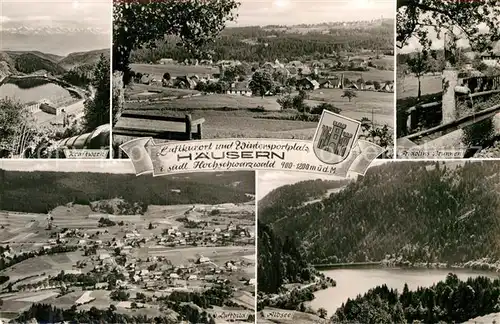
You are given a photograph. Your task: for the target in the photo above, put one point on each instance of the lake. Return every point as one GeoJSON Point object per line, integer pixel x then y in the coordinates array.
{"type": "Point", "coordinates": [50, 91]}
{"type": "Point", "coordinates": [352, 282]}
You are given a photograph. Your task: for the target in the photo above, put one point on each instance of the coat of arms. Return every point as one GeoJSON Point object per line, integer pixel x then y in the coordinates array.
{"type": "Point", "coordinates": [335, 137]}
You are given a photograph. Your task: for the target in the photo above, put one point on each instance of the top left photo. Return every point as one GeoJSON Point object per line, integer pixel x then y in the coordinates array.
{"type": "Point", "coordinates": [55, 79]}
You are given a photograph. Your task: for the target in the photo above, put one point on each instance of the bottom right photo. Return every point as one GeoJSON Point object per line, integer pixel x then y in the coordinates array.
{"type": "Point", "coordinates": [408, 242]}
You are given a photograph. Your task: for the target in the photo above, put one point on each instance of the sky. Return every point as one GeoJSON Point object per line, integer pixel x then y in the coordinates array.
{"type": "Point", "coordinates": [56, 13]}
{"type": "Point", "coordinates": [438, 43]}
{"type": "Point", "coordinates": [94, 166]}
{"type": "Point", "coordinates": [293, 12]}
{"type": "Point", "coordinates": [267, 181]}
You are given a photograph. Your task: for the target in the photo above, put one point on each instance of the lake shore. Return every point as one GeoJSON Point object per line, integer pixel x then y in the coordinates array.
{"type": "Point", "coordinates": [484, 264]}
{"type": "Point", "coordinates": [355, 281]}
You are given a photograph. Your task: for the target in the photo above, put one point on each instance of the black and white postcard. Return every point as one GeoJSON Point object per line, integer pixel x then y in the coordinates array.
{"type": "Point", "coordinates": [55, 78]}
{"type": "Point", "coordinates": [90, 242]}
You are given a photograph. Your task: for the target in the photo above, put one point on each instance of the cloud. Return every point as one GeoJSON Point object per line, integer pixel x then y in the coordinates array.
{"type": "Point", "coordinates": [87, 14]}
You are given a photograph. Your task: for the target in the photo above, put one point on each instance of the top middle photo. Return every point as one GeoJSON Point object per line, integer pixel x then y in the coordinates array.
{"type": "Point", "coordinates": [188, 70]}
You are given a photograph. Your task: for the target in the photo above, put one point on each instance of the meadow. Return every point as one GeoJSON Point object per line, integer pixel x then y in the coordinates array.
{"type": "Point", "coordinates": [233, 116]}
{"type": "Point", "coordinates": [370, 75]}
{"type": "Point", "coordinates": [408, 86]}
{"type": "Point", "coordinates": [175, 70]}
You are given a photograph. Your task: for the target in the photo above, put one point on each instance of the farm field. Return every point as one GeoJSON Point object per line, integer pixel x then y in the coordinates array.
{"type": "Point", "coordinates": [408, 87]}
{"type": "Point", "coordinates": [30, 278]}
{"type": "Point", "coordinates": [175, 70]}
{"type": "Point", "coordinates": [370, 75]}
{"type": "Point", "coordinates": [149, 92]}
{"type": "Point", "coordinates": [235, 124]}
{"type": "Point", "coordinates": [366, 102]}
{"type": "Point", "coordinates": [231, 116]}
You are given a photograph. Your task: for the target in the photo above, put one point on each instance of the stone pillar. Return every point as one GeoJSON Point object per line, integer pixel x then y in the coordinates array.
{"type": "Point", "coordinates": [412, 120]}
{"type": "Point", "coordinates": [118, 96]}
{"type": "Point", "coordinates": [450, 81]}
{"type": "Point", "coordinates": [450, 78]}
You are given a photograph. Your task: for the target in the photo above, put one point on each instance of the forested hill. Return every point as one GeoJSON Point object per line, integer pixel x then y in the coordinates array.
{"type": "Point", "coordinates": [279, 261]}
{"type": "Point", "coordinates": [40, 192]}
{"type": "Point", "coordinates": [252, 44]}
{"type": "Point", "coordinates": [296, 194]}
{"type": "Point", "coordinates": [418, 211]}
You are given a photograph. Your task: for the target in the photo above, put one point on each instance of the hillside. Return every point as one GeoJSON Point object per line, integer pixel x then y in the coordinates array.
{"type": "Point", "coordinates": [268, 43]}
{"type": "Point", "coordinates": [29, 192]}
{"type": "Point", "coordinates": [31, 62]}
{"type": "Point", "coordinates": [278, 262]}
{"type": "Point", "coordinates": [417, 211]}
{"type": "Point", "coordinates": [28, 62]}
{"type": "Point", "coordinates": [83, 58]}
{"type": "Point", "coordinates": [288, 196]}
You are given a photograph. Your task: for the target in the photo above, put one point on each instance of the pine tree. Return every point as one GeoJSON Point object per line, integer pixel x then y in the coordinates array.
{"type": "Point", "coordinates": [97, 109]}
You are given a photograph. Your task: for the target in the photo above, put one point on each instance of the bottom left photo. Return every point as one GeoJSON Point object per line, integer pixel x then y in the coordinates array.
{"type": "Point", "coordinates": [91, 242]}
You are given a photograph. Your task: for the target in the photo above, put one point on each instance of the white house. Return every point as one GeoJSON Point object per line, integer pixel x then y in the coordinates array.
{"type": "Point", "coordinates": [240, 88]}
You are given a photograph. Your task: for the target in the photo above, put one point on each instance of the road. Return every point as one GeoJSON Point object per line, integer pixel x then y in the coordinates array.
{"type": "Point", "coordinates": [288, 292]}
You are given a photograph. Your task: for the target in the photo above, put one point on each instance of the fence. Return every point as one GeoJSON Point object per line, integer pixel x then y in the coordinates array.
{"type": "Point", "coordinates": [466, 101]}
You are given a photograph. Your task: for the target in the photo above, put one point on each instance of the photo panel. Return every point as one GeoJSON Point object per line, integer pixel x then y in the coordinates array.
{"type": "Point", "coordinates": [55, 79]}
{"type": "Point", "coordinates": [448, 80]}
{"type": "Point", "coordinates": [251, 69]}
{"type": "Point", "coordinates": [91, 242]}
{"type": "Point", "coordinates": [409, 242]}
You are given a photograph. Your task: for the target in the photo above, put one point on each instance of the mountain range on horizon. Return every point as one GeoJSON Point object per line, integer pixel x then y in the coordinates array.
{"type": "Point", "coordinates": [55, 40]}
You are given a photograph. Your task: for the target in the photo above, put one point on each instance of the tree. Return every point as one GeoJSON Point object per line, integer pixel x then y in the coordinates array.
{"type": "Point", "coordinates": [12, 119]}
{"type": "Point", "coordinates": [322, 312]}
{"type": "Point", "coordinates": [349, 94]}
{"type": "Point", "coordinates": [97, 109]}
{"type": "Point", "coordinates": [417, 18]}
{"type": "Point", "coordinates": [261, 83]}
{"type": "Point", "coordinates": [418, 65]}
{"type": "Point", "coordinates": [139, 23]}
{"type": "Point", "coordinates": [119, 295]}
{"type": "Point", "coordinates": [318, 110]}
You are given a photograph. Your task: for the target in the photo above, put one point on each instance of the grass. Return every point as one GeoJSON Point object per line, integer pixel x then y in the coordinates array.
{"type": "Point", "coordinates": [241, 124]}
{"type": "Point", "coordinates": [408, 87]}
{"type": "Point", "coordinates": [157, 70]}
{"type": "Point", "coordinates": [370, 75]}
{"type": "Point", "coordinates": [215, 101]}
{"type": "Point", "coordinates": [366, 102]}
{"type": "Point", "coordinates": [230, 116]}
{"type": "Point", "coordinates": [138, 92]}
{"type": "Point", "coordinates": [218, 255]}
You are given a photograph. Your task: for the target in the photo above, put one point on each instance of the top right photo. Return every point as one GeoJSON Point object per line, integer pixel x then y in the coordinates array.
{"type": "Point", "coordinates": [448, 79]}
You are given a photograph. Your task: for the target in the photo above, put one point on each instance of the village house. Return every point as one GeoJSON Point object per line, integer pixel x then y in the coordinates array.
{"type": "Point", "coordinates": [370, 86]}
{"type": "Point", "coordinates": [184, 82]}
{"type": "Point", "coordinates": [307, 84]}
{"type": "Point", "coordinates": [388, 86]}
{"type": "Point", "coordinates": [203, 259]}
{"type": "Point", "coordinates": [357, 63]}
{"type": "Point", "coordinates": [492, 57]}
{"type": "Point", "coordinates": [239, 88]}
{"type": "Point", "coordinates": [326, 84]}
{"type": "Point", "coordinates": [166, 61]}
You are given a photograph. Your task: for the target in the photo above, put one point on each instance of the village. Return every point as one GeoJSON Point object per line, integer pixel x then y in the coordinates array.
{"type": "Point", "coordinates": [294, 75]}
{"type": "Point", "coordinates": [137, 265]}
